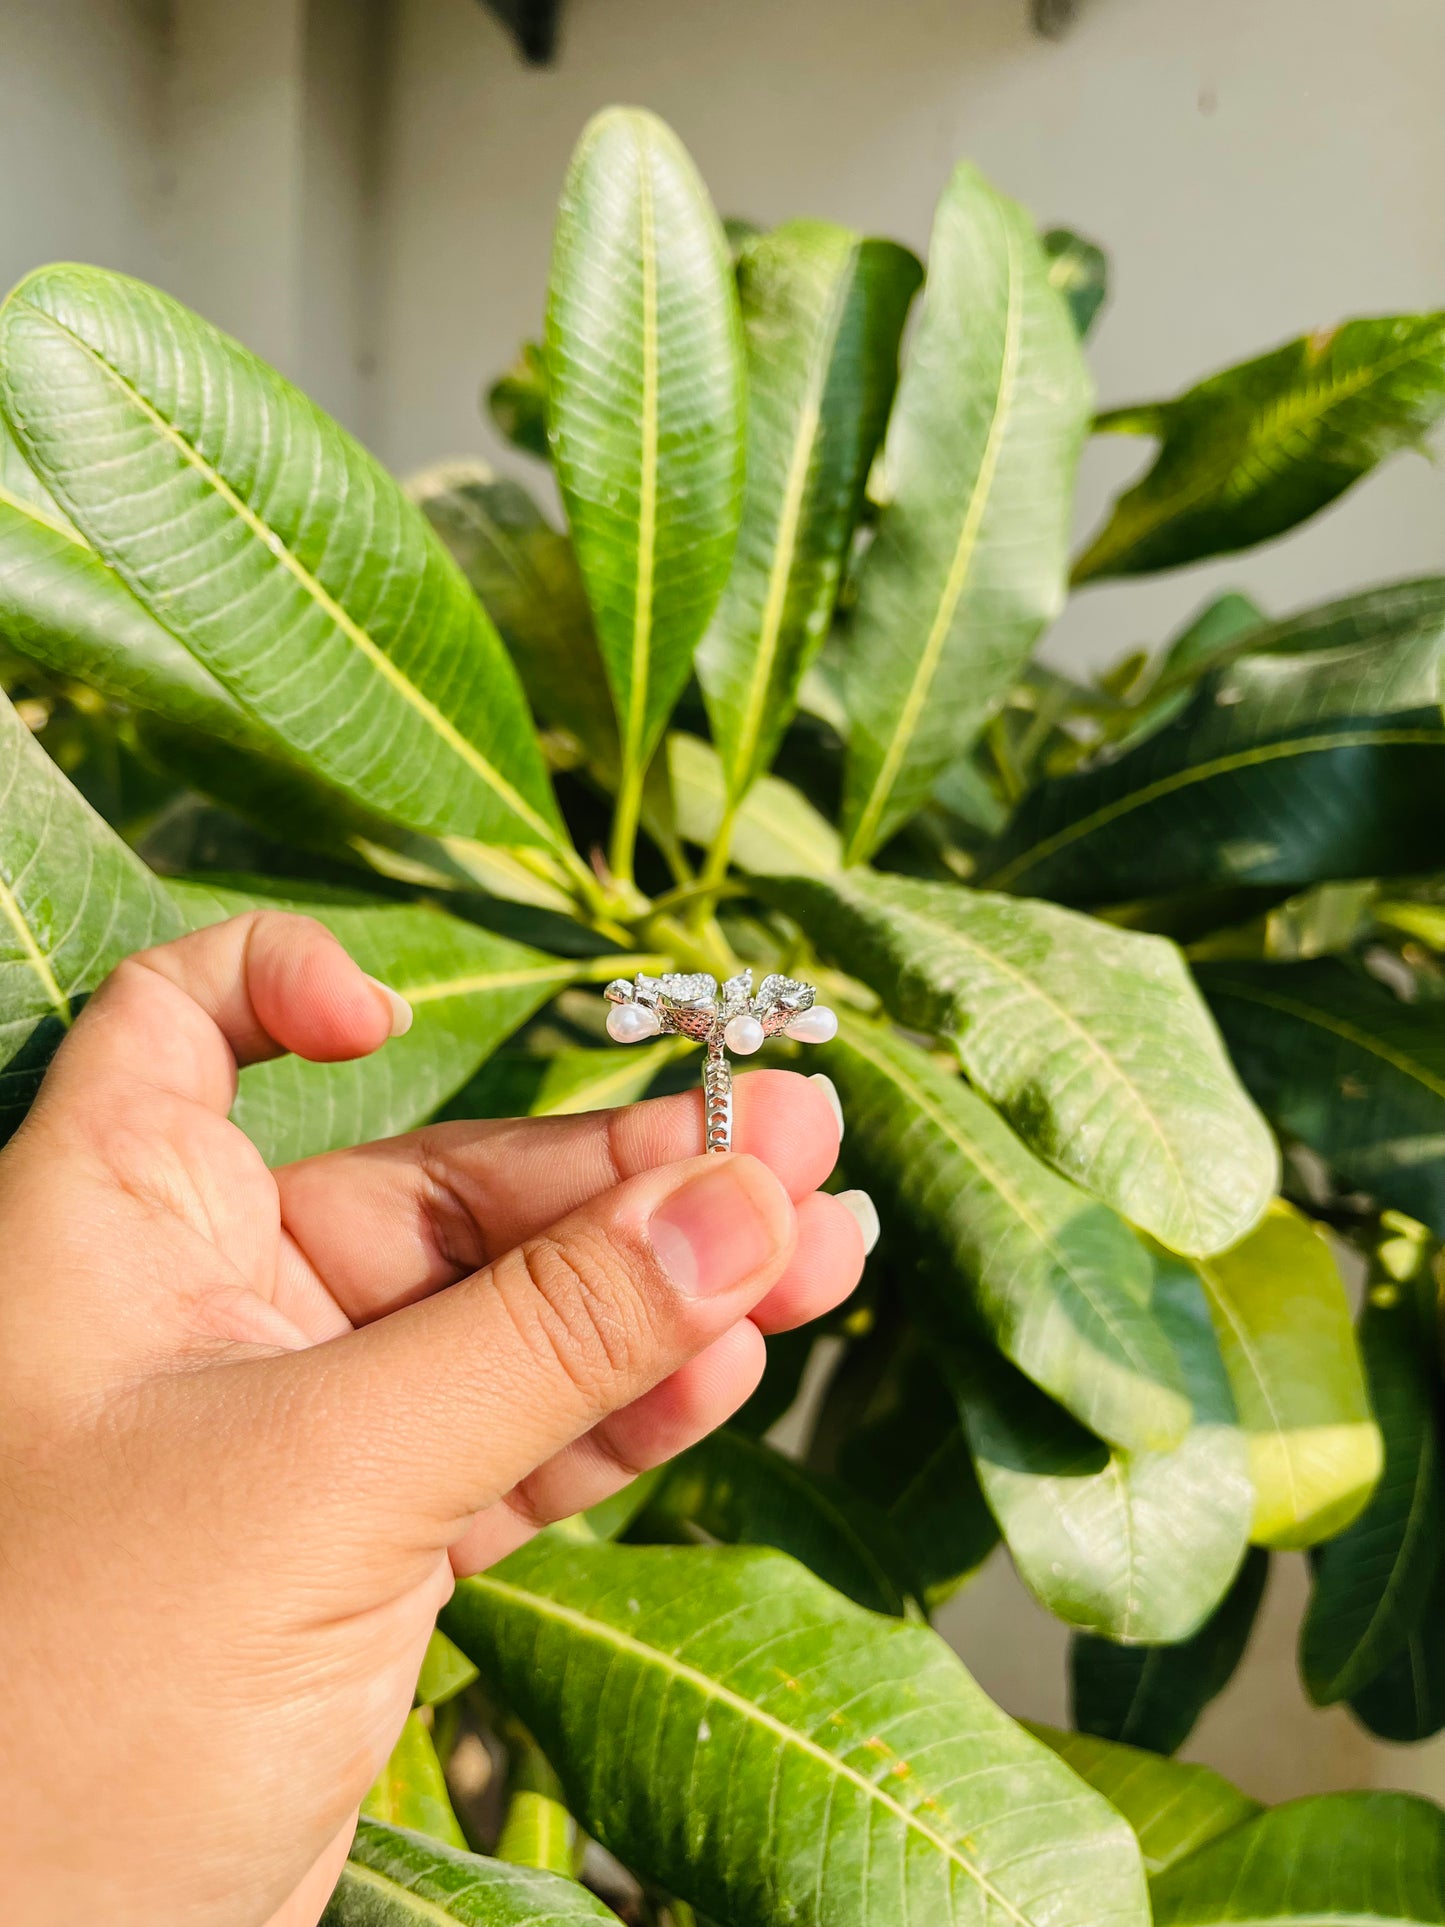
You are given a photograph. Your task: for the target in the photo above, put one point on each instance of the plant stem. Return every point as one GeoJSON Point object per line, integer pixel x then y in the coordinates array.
{"type": "Point", "coordinates": [714, 871]}
{"type": "Point", "coordinates": [624, 823]}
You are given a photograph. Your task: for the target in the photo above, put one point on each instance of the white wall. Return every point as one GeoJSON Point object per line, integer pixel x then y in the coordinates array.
{"type": "Point", "coordinates": [363, 189]}
{"type": "Point", "coordinates": [1256, 170]}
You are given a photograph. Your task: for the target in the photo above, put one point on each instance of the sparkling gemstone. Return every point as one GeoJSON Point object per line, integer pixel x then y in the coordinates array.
{"type": "Point", "coordinates": [816, 1026]}
{"type": "Point", "coordinates": [744, 1035]}
{"type": "Point", "coordinates": [630, 1023]}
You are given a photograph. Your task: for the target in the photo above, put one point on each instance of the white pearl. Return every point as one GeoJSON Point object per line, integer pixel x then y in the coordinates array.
{"type": "Point", "coordinates": [816, 1026]}
{"type": "Point", "coordinates": [744, 1035]}
{"type": "Point", "coordinates": [630, 1023]}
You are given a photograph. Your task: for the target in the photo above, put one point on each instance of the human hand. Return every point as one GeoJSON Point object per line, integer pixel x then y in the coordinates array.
{"type": "Point", "coordinates": [254, 1422]}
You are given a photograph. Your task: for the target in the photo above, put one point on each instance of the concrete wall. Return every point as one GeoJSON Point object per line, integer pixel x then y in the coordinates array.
{"type": "Point", "coordinates": [363, 189]}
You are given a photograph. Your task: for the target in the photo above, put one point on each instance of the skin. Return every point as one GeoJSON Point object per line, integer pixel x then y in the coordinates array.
{"type": "Point", "coordinates": [254, 1423]}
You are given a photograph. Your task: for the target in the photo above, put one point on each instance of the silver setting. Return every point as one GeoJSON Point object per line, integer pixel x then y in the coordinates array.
{"type": "Point", "coordinates": [690, 1004]}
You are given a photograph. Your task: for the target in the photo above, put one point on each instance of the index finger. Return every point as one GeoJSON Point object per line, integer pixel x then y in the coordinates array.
{"type": "Point", "coordinates": [387, 1223]}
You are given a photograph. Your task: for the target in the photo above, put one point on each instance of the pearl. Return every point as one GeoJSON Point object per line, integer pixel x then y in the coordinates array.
{"type": "Point", "coordinates": [816, 1026]}
{"type": "Point", "coordinates": [744, 1035]}
{"type": "Point", "coordinates": [630, 1023]}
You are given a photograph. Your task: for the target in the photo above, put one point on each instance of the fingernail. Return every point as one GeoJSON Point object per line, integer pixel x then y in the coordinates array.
{"type": "Point", "coordinates": [830, 1090]}
{"type": "Point", "coordinates": [864, 1213]}
{"type": "Point", "coordinates": [400, 1009]}
{"type": "Point", "coordinates": [720, 1228]}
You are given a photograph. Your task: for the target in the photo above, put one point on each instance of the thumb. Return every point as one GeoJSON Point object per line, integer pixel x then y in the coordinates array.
{"type": "Point", "coordinates": [437, 1411]}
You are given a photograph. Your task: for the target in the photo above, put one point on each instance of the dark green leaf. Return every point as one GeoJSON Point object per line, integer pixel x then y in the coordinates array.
{"type": "Point", "coordinates": [1151, 1696]}
{"type": "Point", "coordinates": [1371, 1583]}
{"type": "Point", "coordinates": [1265, 445]}
{"type": "Point", "coordinates": [1135, 1546]}
{"type": "Point", "coordinates": [1405, 1701]}
{"type": "Point", "coordinates": [1365, 1859]}
{"type": "Point", "coordinates": [743, 1492]}
{"type": "Point", "coordinates": [468, 988]}
{"type": "Point", "coordinates": [397, 1879]}
{"type": "Point", "coordinates": [1173, 1808]}
{"type": "Point", "coordinates": [283, 557]}
{"type": "Point", "coordinates": [1059, 1281]}
{"type": "Point", "coordinates": [968, 563]}
{"type": "Point", "coordinates": [1080, 271]}
{"type": "Point", "coordinates": [1336, 1060]}
{"type": "Point", "coordinates": [411, 1789]}
{"type": "Point", "coordinates": [1283, 1323]}
{"type": "Point", "coordinates": [743, 1736]}
{"type": "Point", "coordinates": [1093, 1041]}
{"type": "Point", "coordinates": [823, 312]}
{"type": "Point", "coordinates": [73, 901]}
{"type": "Point", "coordinates": [645, 364]}
{"type": "Point", "coordinates": [517, 401]}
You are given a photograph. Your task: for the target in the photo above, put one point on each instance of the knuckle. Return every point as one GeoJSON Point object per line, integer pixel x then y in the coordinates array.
{"type": "Point", "coordinates": [581, 1309]}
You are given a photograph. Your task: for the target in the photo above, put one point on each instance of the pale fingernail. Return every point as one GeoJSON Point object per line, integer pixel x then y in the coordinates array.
{"type": "Point", "coordinates": [720, 1228]}
{"type": "Point", "coordinates": [864, 1213]}
{"type": "Point", "coordinates": [830, 1090]}
{"type": "Point", "coordinates": [400, 1009]}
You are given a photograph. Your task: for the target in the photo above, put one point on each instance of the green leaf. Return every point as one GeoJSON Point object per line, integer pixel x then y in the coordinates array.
{"type": "Point", "coordinates": [1283, 1322]}
{"type": "Point", "coordinates": [284, 558]}
{"type": "Point", "coordinates": [397, 1879]}
{"type": "Point", "coordinates": [776, 830]}
{"type": "Point", "coordinates": [1285, 768]}
{"type": "Point", "coordinates": [969, 560]}
{"type": "Point", "coordinates": [911, 1458]}
{"type": "Point", "coordinates": [1093, 1041]}
{"type": "Point", "coordinates": [742, 1492]}
{"type": "Point", "coordinates": [411, 1789]}
{"type": "Point", "coordinates": [1336, 1060]}
{"type": "Point", "coordinates": [601, 1080]}
{"type": "Point", "coordinates": [468, 988]}
{"type": "Point", "coordinates": [538, 1831]}
{"type": "Point", "coordinates": [73, 901]}
{"type": "Point", "coordinates": [1152, 1696]}
{"type": "Point", "coordinates": [517, 401]}
{"type": "Point", "coordinates": [1175, 1809]}
{"type": "Point", "coordinates": [645, 365]}
{"type": "Point", "coordinates": [1135, 1546]}
{"type": "Point", "coordinates": [445, 1672]}
{"type": "Point", "coordinates": [1359, 1858]}
{"type": "Point", "coordinates": [1372, 1581]}
{"type": "Point", "coordinates": [1265, 445]}
{"type": "Point", "coordinates": [740, 1734]}
{"type": "Point", "coordinates": [527, 578]}
{"type": "Point", "coordinates": [1405, 1701]}
{"type": "Point", "coordinates": [1059, 1282]}
{"type": "Point", "coordinates": [1080, 271]}
{"type": "Point", "coordinates": [823, 311]}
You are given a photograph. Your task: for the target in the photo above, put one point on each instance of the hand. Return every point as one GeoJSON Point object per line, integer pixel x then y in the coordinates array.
{"type": "Point", "coordinates": [252, 1422]}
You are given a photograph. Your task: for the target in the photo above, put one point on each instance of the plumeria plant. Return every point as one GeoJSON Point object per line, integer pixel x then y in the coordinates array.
{"type": "Point", "coordinates": [1139, 1002]}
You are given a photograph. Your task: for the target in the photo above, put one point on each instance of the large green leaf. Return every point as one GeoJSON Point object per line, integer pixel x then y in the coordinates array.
{"type": "Point", "coordinates": [528, 580]}
{"type": "Point", "coordinates": [743, 1492]}
{"type": "Point", "coordinates": [1175, 1809]}
{"type": "Point", "coordinates": [776, 829]}
{"type": "Point", "coordinates": [1093, 1041]}
{"type": "Point", "coordinates": [398, 1879]}
{"type": "Point", "coordinates": [284, 558]}
{"type": "Point", "coordinates": [73, 901]}
{"type": "Point", "coordinates": [1338, 1061]}
{"type": "Point", "coordinates": [469, 990]}
{"type": "Point", "coordinates": [1135, 1546]}
{"type": "Point", "coordinates": [1152, 1696]}
{"type": "Point", "coordinates": [1058, 1280]}
{"type": "Point", "coordinates": [823, 311]}
{"type": "Point", "coordinates": [1371, 1583]}
{"type": "Point", "coordinates": [1264, 445]}
{"type": "Point", "coordinates": [1357, 1858]}
{"type": "Point", "coordinates": [1405, 1701]}
{"type": "Point", "coordinates": [1285, 768]}
{"type": "Point", "coordinates": [411, 1789]}
{"type": "Point", "coordinates": [747, 1738]}
{"type": "Point", "coordinates": [645, 372]}
{"type": "Point", "coordinates": [968, 564]}
{"type": "Point", "coordinates": [1283, 1322]}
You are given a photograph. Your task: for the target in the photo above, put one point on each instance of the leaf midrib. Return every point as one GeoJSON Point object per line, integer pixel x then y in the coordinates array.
{"type": "Point", "coordinates": [36, 958]}
{"type": "Point", "coordinates": [956, 581]}
{"type": "Point", "coordinates": [1214, 1287]}
{"type": "Point", "coordinates": [367, 645]}
{"type": "Point", "coordinates": [33, 513]}
{"type": "Point", "coordinates": [1339, 1027]}
{"type": "Point", "coordinates": [747, 1710]}
{"type": "Point", "coordinates": [641, 660]}
{"type": "Point", "coordinates": [437, 992]}
{"type": "Point", "coordinates": [1250, 758]}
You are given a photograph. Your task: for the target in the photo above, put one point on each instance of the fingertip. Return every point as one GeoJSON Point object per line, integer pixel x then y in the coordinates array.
{"type": "Point", "coordinates": [311, 996]}
{"type": "Point", "coordinates": [790, 1123]}
{"type": "Point", "coordinates": [826, 1266]}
